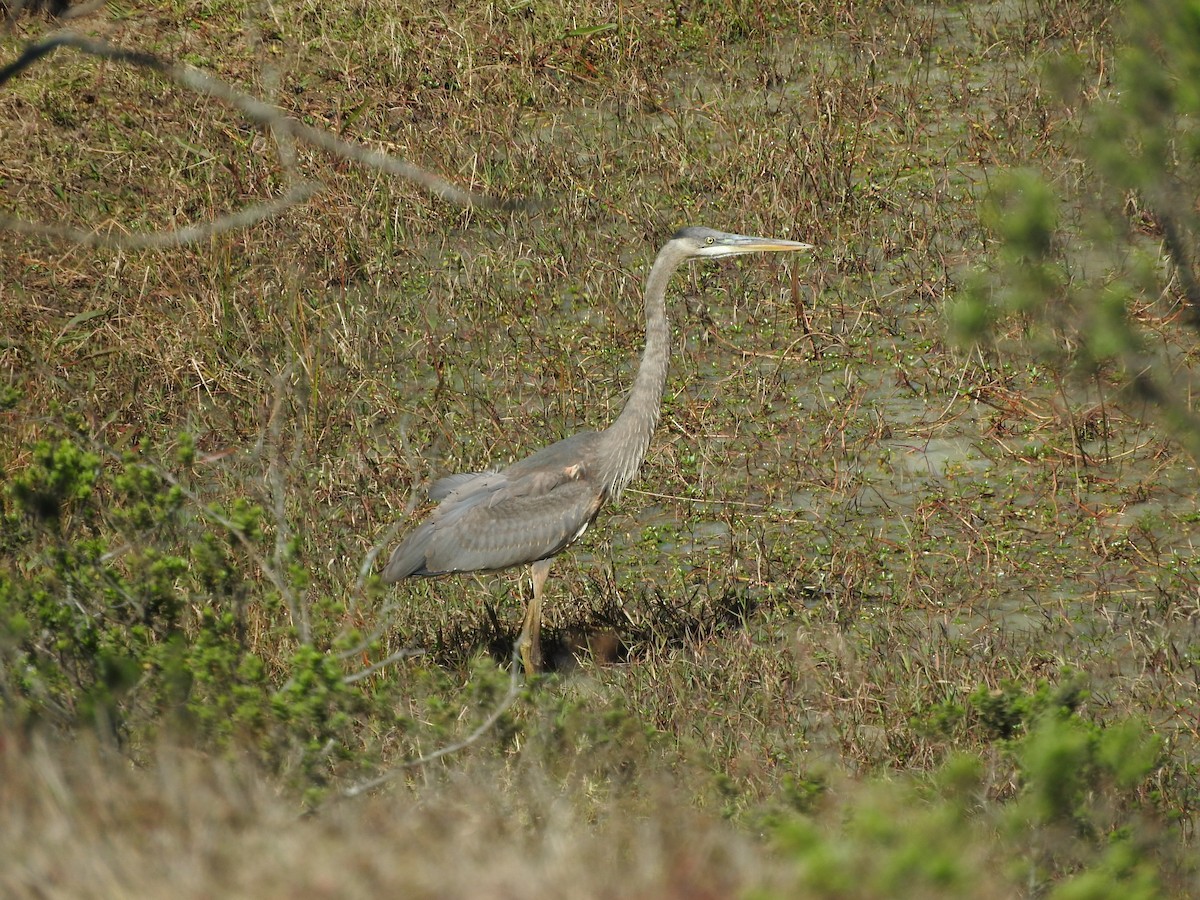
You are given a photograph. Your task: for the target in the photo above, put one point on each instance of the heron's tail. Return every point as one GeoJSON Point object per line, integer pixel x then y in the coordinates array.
{"type": "Point", "coordinates": [409, 558]}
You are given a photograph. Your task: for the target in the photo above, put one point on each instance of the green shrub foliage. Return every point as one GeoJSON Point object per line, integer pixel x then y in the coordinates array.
{"type": "Point", "coordinates": [1089, 273]}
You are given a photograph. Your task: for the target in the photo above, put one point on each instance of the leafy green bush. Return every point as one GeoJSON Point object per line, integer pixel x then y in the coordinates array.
{"type": "Point", "coordinates": [126, 607]}
{"type": "Point", "coordinates": [1084, 273]}
{"type": "Point", "coordinates": [1078, 820]}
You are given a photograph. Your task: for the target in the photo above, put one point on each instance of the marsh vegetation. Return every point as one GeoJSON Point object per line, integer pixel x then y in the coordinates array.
{"type": "Point", "coordinates": [885, 614]}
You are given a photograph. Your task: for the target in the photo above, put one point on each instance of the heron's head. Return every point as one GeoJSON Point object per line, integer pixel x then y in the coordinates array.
{"type": "Point", "coordinates": [707, 243]}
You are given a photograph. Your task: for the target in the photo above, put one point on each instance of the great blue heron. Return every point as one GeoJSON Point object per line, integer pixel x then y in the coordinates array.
{"type": "Point", "coordinates": [531, 511]}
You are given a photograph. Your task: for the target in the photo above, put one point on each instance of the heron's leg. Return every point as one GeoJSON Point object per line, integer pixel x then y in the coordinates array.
{"type": "Point", "coordinates": [531, 631]}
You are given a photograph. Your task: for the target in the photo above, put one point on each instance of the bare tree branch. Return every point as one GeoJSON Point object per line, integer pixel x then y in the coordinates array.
{"type": "Point", "coordinates": [1175, 238]}
{"type": "Point", "coordinates": [282, 126]}
{"type": "Point", "coordinates": [283, 531]}
{"type": "Point", "coordinates": [1148, 385]}
{"type": "Point", "coordinates": [171, 237]}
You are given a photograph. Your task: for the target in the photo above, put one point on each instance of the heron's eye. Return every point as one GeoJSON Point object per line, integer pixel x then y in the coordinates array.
{"type": "Point", "coordinates": [708, 240]}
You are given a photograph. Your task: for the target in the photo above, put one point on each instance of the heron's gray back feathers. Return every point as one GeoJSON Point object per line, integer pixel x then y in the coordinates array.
{"type": "Point", "coordinates": [493, 520]}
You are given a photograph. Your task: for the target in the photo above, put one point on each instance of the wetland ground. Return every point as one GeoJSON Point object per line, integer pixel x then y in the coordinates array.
{"type": "Point", "coordinates": [881, 616]}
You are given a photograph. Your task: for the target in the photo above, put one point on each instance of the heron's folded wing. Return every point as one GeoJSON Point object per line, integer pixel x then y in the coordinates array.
{"type": "Point", "coordinates": [493, 520]}
{"type": "Point", "coordinates": [511, 529]}
{"type": "Point", "coordinates": [444, 487]}
{"type": "Point", "coordinates": [499, 489]}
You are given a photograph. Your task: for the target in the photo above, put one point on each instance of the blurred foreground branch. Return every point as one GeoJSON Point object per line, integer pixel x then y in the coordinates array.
{"type": "Point", "coordinates": [1104, 278]}
{"type": "Point", "coordinates": [265, 114]}
{"type": "Point", "coordinates": [510, 697]}
{"type": "Point", "coordinates": [169, 237]}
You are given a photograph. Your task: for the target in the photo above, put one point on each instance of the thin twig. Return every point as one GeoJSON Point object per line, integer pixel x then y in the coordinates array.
{"type": "Point", "coordinates": [406, 653]}
{"type": "Point", "coordinates": [283, 531]}
{"type": "Point", "coordinates": [1176, 243]}
{"type": "Point", "coordinates": [509, 698]}
{"type": "Point", "coordinates": [416, 492]}
{"type": "Point", "coordinates": [170, 237]}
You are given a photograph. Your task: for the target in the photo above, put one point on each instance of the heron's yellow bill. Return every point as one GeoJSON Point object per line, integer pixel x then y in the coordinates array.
{"type": "Point", "coordinates": [715, 244]}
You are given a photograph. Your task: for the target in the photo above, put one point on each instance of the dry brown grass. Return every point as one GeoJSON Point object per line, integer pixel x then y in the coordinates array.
{"type": "Point", "coordinates": [77, 824]}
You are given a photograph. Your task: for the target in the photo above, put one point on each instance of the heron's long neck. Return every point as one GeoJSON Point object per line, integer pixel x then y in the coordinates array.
{"type": "Point", "coordinates": [628, 438]}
